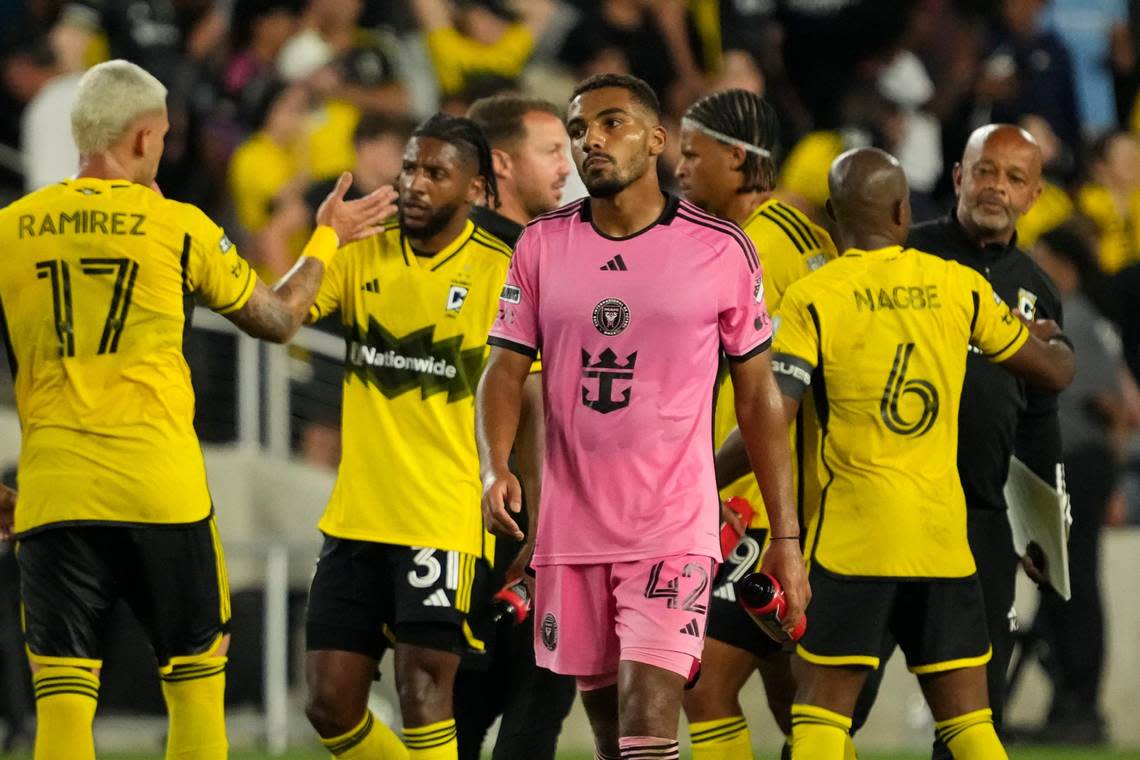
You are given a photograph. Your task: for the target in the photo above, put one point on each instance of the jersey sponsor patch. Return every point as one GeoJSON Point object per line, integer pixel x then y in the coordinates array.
{"type": "Point", "coordinates": [224, 245]}
{"type": "Point", "coordinates": [758, 291]}
{"type": "Point", "coordinates": [511, 294]}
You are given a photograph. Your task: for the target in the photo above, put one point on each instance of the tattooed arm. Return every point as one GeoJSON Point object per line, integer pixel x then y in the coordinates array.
{"type": "Point", "coordinates": [275, 314]}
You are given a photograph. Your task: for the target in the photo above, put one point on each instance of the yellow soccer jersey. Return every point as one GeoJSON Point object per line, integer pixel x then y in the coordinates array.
{"type": "Point", "coordinates": [93, 282]}
{"type": "Point", "coordinates": [417, 332]}
{"type": "Point", "coordinates": [883, 336]}
{"type": "Point", "coordinates": [790, 246]}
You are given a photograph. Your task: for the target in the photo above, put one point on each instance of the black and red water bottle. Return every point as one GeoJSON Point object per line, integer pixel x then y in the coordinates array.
{"type": "Point", "coordinates": [511, 602]}
{"type": "Point", "coordinates": [762, 598]}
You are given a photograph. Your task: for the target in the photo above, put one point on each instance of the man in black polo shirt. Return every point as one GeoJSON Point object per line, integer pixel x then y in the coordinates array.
{"type": "Point", "coordinates": [997, 180]}
{"type": "Point", "coordinates": [529, 152]}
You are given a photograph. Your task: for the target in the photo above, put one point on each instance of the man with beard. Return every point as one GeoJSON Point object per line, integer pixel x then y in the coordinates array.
{"type": "Point", "coordinates": [997, 180]}
{"type": "Point", "coordinates": [528, 151]}
{"type": "Point", "coordinates": [403, 534]}
{"type": "Point", "coordinates": [631, 295]}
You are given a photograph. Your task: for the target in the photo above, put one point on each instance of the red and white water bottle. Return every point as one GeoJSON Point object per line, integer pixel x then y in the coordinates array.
{"type": "Point", "coordinates": [762, 598]}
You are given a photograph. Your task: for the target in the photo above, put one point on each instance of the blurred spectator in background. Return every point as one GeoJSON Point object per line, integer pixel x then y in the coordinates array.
{"type": "Point", "coordinates": [906, 83]}
{"type": "Point", "coordinates": [1053, 207]}
{"type": "Point", "coordinates": [265, 165]}
{"type": "Point", "coordinates": [1091, 29]}
{"type": "Point", "coordinates": [1026, 70]}
{"type": "Point", "coordinates": [831, 46]}
{"type": "Point", "coordinates": [1111, 199]}
{"type": "Point", "coordinates": [478, 38]}
{"type": "Point", "coordinates": [349, 69]}
{"type": "Point", "coordinates": [1092, 414]}
{"type": "Point", "coordinates": [260, 29]}
{"type": "Point", "coordinates": [33, 76]}
{"type": "Point", "coordinates": [647, 38]}
{"type": "Point", "coordinates": [867, 119]}
{"type": "Point", "coordinates": [175, 40]}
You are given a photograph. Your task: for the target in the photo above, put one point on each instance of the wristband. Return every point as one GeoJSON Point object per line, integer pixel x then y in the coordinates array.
{"type": "Point", "coordinates": [1062, 338]}
{"type": "Point", "coordinates": [783, 538]}
{"type": "Point", "coordinates": [323, 245]}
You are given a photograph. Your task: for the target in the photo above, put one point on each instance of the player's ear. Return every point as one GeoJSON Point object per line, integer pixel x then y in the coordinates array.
{"type": "Point", "coordinates": [736, 157]}
{"type": "Point", "coordinates": [956, 173]}
{"type": "Point", "coordinates": [501, 163]}
{"type": "Point", "coordinates": [139, 137]}
{"type": "Point", "coordinates": [657, 139]}
{"type": "Point", "coordinates": [476, 191]}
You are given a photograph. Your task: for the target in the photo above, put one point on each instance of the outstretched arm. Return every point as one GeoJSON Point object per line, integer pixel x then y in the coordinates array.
{"type": "Point", "coordinates": [276, 313]}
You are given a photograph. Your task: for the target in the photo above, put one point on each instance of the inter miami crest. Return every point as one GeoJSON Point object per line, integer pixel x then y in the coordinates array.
{"type": "Point", "coordinates": [607, 371]}
{"type": "Point", "coordinates": [611, 316]}
{"type": "Point", "coordinates": [550, 631]}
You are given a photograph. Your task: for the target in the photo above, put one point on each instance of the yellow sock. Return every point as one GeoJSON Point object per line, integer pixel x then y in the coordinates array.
{"type": "Point", "coordinates": [849, 749]}
{"type": "Point", "coordinates": [818, 734]}
{"type": "Point", "coordinates": [195, 695]}
{"type": "Point", "coordinates": [65, 709]}
{"type": "Point", "coordinates": [370, 740]}
{"type": "Point", "coordinates": [432, 742]}
{"type": "Point", "coordinates": [721, 739]}
{"type": "Point", "coordinates": [971, 736]}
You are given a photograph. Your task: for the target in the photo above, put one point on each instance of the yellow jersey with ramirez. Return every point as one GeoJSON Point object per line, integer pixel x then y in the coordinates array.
{"type": "Point", "coordinates": [94, 286]}
{"type": "Point", "coordinates": [416, 329]}
{"type": "Point", "coordinates": [882, 337]}
{"type": "Point", "coordinates": [790, 246]}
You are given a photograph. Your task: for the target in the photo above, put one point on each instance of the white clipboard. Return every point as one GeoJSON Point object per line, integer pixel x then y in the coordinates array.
{"type": "Point", "coordinates": [1040, 513]}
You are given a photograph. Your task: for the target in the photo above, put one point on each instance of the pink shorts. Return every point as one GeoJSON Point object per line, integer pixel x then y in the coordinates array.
{"type": "Point", "coordinates": [590, 617]}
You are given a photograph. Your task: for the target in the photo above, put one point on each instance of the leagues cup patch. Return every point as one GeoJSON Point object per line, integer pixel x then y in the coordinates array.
{"type": "Point", "coordinates": [611, 316]}
{"type": "Point", "coordinates": [550, 631]}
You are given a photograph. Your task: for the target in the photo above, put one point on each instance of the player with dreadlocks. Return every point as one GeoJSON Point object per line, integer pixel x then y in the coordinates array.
{"type": "Point", "coordinates": [728, 168]}
{"type": "Point", "coordinates": [403, 532]}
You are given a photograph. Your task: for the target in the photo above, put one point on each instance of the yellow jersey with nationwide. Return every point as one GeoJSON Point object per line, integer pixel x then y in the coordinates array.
{"type": "Point", "coordinates": [883, 336]}
{"type": "Point", "coordinates": [790, 246]}
{"type": "Point", "coordinates": [416, 329]}
{"type": "Point", "coordinates": [93, 285]}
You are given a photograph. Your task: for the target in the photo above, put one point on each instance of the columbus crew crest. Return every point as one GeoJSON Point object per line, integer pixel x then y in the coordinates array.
{"type": "Point", "coordinates": [611, 316]}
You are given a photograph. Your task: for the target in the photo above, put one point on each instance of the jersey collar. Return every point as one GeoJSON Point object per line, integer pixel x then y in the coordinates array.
{"type": "Point", "coordinates": [94, 183]}
{"type": "Point", "coordinates": [445, 253]}
{"type": "Point", "coordinates": [672, 203]}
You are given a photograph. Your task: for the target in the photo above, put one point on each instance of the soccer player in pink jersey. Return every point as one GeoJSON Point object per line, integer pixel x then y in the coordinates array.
{"type": "Point", "coordinates": [631, 295]}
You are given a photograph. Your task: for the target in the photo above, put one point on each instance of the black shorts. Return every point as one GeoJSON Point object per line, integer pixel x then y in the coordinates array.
{"type": "Point", "coordinates": [939, 624]}
{"type": "Point", "coordinates": [366, 596]}
{"type": "Point", "coordinates": [173, 578]}
{"type": "Point", "coordinates": [728, 622]}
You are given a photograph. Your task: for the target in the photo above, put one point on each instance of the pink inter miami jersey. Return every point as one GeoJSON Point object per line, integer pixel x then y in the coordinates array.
{"type": "Point", "coordinates": [630, 331]}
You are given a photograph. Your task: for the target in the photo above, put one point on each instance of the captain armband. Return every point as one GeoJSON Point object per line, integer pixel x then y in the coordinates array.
{"type": "Point", "coordinates": [793, 375]}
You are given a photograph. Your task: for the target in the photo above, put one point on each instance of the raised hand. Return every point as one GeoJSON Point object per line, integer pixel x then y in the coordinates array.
{"type": "Point", "coordinates": [355, 220]}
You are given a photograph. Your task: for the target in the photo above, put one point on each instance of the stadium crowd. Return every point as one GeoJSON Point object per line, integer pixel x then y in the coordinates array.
{"type": "Point", "coordinates": [270, 101]}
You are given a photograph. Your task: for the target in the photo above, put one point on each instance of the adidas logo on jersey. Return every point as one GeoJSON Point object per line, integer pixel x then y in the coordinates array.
{"type": "Point", "coordinates": [691, 628]}
{"type": "Point", "coordinates": [616, 264]}
{"type": "Point", "coordinates": [437, 599]}
{"type": "Point", "coordinates": [727, 591]}
{"type": "Point", "coordinates": [372, 286]}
